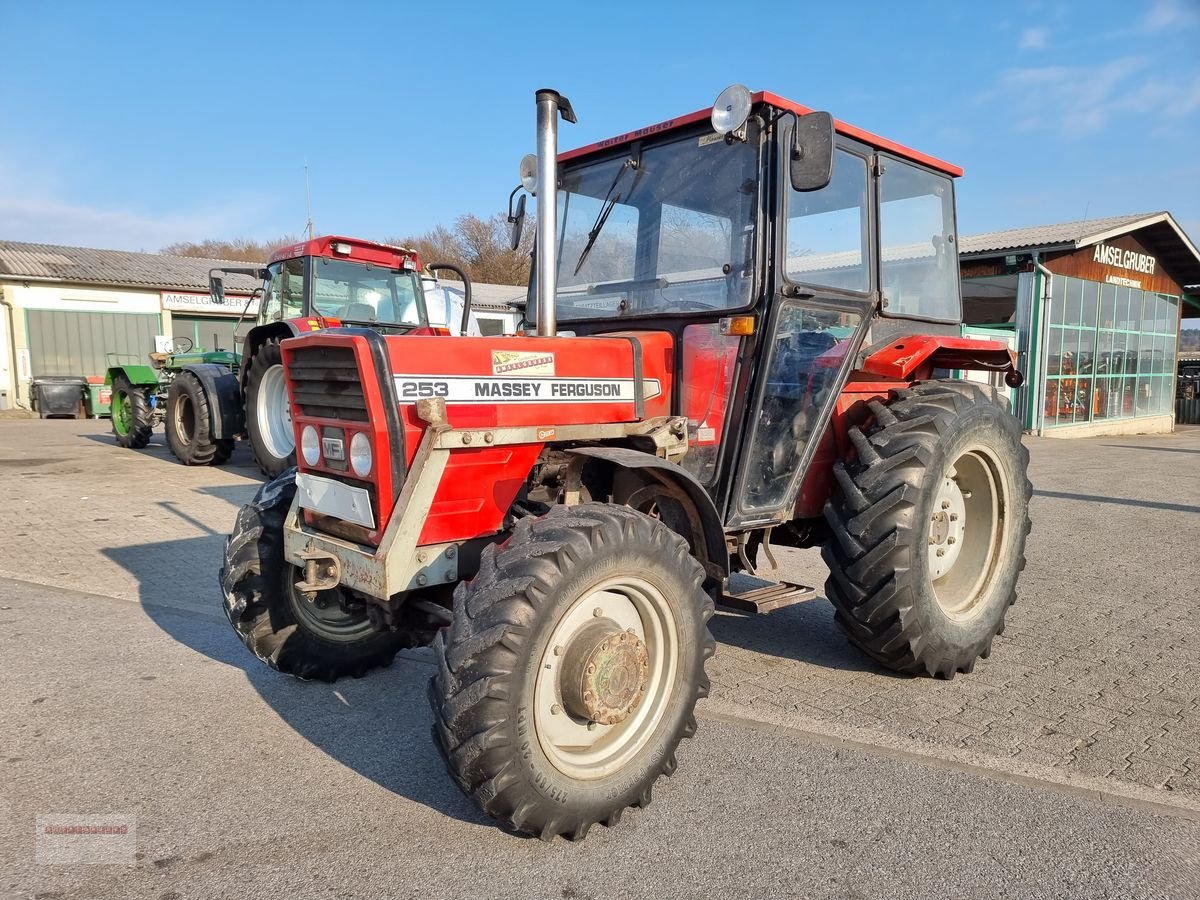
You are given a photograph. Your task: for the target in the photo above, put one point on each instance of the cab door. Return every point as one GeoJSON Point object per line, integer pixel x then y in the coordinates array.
{"type": "Point", "coordinates": [823, 287]}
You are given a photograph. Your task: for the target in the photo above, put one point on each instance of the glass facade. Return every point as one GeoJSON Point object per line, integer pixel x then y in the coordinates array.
{"type": "Point", "coordinates": [1110, 352]}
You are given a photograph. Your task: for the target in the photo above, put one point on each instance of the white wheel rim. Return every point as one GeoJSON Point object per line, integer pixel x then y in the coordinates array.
{"type": "Point", "coordinates": [588, 751]}
{"type": "Point", "coordinates": [273, 413]}
{"type": "Point", "coordinates": [966, 532]}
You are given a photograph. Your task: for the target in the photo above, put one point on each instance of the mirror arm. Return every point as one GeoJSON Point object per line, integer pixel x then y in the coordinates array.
{"type": "Point", "coordinates": [466, 280]}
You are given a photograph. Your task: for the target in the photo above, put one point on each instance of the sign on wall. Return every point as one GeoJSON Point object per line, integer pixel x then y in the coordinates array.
{"type": "Point", "coordinates": [186, 302]}
{"type": "Point", "coordinates": [1123, 261]}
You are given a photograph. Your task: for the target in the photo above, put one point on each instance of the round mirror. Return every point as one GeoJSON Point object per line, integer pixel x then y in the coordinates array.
{"type": "Point", "coordinates": [529, 173]}
{"type": "Point", "coordinates": [731, 109]}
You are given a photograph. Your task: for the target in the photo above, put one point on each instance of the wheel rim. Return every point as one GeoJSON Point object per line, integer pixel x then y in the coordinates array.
{"type": "Point", "coordinates": [274, 415]}
{"type": "Point", "coordinates": [324, 615]}
{"type": "Point", "coordinates": [966, 532]}
{"type": "Point", "coordinates": [120, 412]}
{"type": "Point", "coordinates": [185, 419]}
{"type": "Point", "coordinates": [624, 630]}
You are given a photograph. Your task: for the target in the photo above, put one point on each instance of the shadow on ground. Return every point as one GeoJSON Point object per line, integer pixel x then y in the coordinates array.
{"type": "Point", "coordinates": [379, 726]}
{"type": "Point", "coordinates": [804, 632]}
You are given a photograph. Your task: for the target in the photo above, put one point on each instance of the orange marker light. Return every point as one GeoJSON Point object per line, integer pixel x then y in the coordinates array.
{"type": "Point", "coordinates": [737, 325]}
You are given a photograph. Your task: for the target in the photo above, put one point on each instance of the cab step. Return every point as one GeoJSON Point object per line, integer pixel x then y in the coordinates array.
{"type": "Point", "coordinates": [750, 594]}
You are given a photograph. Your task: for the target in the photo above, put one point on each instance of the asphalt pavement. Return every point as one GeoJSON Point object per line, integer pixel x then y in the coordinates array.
{"type": "Point", "coordinates": [813, 773]}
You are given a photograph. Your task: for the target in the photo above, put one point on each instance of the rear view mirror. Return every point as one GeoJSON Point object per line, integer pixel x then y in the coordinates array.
{"type": "Point", "coordinates": [516, 224]}
{"type": "Point", "coordinates": [811, 163]}
{"type": "Point", "coordinates": [216, 288]}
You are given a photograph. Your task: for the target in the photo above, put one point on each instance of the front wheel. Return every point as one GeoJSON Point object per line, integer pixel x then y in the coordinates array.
{"type": "Point", "coordinates": [321, 637]}
{"type": "Point", "coordinates": [268, 415]}
{"type": "Point", "coordinates": [132, 417]}
{"type": "Point", "coordinates": [572, 669]}
{"type": "Point", "coordinates": [929, 527]}
{"type": "Point", "coordinates": [189, 424]}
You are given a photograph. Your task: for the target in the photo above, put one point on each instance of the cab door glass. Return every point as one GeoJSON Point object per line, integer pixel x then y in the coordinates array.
{"type": "Point", "coordinates": [827, 229]}
{"type": "Point", "coordinates": [285, 293]}
{"type": "Point", "coordinates": [801, 379]}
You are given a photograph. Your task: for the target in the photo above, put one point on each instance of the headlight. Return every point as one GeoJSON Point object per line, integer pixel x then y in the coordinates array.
{"type": "Point", "coordinates": [360, 454]}
{"type": "Point", "coordinates": [310, 445]}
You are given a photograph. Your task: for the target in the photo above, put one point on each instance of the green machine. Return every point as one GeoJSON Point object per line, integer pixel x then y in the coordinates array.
{"type": "Point", "coordinates": [194, 393]}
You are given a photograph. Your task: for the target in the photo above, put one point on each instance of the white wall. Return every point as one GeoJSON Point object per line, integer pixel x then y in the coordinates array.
{"type": "Point", "coordinates": [32, 295]}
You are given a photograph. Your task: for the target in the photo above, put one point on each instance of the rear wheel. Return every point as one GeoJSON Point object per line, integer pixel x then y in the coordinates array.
{"type": "Point", "coordinates": [268, 415]}
{"type": "Point", "coordinates": [572, 669]}
{"type": "Point", "coordinates": [929, 528]}
{"type": "Point", "coordinates": [322, 637]}
{"type": "Point", "coordinates": [131, 415]}
{"type": "Point", "coordinates": [189, 424]}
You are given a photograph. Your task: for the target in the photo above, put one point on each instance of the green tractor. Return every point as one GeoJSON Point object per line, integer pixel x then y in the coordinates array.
{"type": "Point", "coordinates": [183, 389]}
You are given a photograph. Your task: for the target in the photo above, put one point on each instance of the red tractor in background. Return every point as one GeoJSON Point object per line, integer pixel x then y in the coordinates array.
{"type": "Point", "coordinates": [757, 309]}
{"type": "Point", "coordinates": [323, 282]}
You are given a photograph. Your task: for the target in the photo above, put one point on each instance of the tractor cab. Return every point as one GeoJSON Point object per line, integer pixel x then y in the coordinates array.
{"type": "Point", "coordinates": [780, 250]}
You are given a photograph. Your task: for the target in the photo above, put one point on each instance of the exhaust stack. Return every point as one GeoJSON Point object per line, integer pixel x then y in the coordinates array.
{"type": "Point", "coordinates": [550, 104]}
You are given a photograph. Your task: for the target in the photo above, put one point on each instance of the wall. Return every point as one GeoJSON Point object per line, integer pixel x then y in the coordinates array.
{"type": "Point", "coordinates": [32, 295]}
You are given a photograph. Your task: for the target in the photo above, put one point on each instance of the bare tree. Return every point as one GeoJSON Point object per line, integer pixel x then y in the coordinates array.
{"type": "Point", "coordinates": [479, 246]}
{"type": "Point", "coordinates": [243, 249]}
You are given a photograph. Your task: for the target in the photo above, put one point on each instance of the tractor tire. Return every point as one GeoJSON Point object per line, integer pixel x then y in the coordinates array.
{"type": "Point", "coordinates": [268, 416]}
{"type": "Point", "coordinates": [322, 639]}
{"type": "Point", "coordinates": [132, 418]}
{"type": "Point", "coordinates": [928, 527]}
{"type": "Point", "coordinates": [572, 667]}
{"type": "Point", "coordinates": [189, 424]}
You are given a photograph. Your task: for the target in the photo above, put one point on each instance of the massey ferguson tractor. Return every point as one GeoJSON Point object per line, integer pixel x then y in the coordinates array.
{"type": "Point", "coordinates": [743, 317]}
{"type": "Point", "coordinates": [207, 400]}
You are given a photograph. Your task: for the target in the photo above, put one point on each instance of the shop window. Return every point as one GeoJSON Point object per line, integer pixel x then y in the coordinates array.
{"type": "Point", "coordinates": [1110, 351]}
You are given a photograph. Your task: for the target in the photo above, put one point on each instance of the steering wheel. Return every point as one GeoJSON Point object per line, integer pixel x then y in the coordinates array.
{"type": "Point", "coordinates": [181, 345]}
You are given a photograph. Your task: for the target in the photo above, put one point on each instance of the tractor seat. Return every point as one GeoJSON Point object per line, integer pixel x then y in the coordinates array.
{"type": "Point", "coordinates": [361, 312]}
{"type": "Point", "coordinates": [158, 360]}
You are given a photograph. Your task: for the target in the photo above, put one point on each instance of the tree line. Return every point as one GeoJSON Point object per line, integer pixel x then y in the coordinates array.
{"type": "Point", "coordinates": [479, 246]}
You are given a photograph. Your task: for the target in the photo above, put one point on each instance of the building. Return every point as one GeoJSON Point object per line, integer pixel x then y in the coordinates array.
{"type": "Point", "coordinates": [1093, 309]}
{"type": "Point", "coordinates": [72, 310]}
{"type": "Point", "coordinates": [69, 310]}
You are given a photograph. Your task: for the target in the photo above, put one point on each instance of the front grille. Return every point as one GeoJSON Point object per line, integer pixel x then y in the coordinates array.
{"type": "Point", "coordinates": [326, 383]}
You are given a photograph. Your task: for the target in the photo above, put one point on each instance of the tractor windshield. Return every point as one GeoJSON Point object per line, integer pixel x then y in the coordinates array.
{"type": "Point", "coordinates": [365, 294]}
{"type": "Point", "coordinates": [663, 228]}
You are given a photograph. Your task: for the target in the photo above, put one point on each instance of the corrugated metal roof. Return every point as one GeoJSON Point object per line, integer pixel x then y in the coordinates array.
{"type": "Point", "coordinates": [1158, 230]}
{"type": "Point", "coordinates": [1075, 233]}
{"type": "Point", "coordinates": [490, 296]}
{"type": "Point", "coordinates": [85, 265]}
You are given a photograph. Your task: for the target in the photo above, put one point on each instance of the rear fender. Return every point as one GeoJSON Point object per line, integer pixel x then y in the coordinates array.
{"type": "Point", "coordinates": [260, 334]}
{"type": "Point", "coordinates": [138, 376]}
{"type": "Point", "coordinates": [707, 534]}
{"type": "Point", "coordinates": [913, 358]}
{"type": "Point", "coordinates": [224, 396]}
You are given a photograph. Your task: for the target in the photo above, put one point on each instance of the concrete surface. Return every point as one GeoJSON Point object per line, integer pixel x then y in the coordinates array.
{"type": "Point", "coordinates": [1066, 765]}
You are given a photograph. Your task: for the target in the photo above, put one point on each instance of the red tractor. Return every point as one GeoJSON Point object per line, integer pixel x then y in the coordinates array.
{"type": "Point", "coordinates": [320, 283]}
{"type": "Point", "coordinates": [743, 317]}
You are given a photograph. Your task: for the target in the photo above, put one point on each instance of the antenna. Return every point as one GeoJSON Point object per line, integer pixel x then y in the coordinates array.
{"type": "Point", "coordinates": [308, 200]}
{"type": "Point", "coordinates": [1086, 207]}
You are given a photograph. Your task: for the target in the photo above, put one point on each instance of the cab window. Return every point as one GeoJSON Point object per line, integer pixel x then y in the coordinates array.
{"type": "Point", "coordinates": [285, 293]}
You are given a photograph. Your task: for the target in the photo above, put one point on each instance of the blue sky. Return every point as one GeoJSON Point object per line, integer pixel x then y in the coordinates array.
{"type": "Point", "coordinates": [133, 125]}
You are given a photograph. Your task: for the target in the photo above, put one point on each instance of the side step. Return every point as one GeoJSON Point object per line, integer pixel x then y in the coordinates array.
{"type": "Point", "coordinates": [749, 594]}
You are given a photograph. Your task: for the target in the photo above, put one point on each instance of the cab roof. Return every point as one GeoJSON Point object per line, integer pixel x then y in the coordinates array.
{"type": "Point", "coordinates": [850, 131]}
{"type": "Point", "coordinates": [359, 250]}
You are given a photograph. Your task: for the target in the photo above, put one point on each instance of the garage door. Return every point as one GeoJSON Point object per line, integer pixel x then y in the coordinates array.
{"type": "Point", "coordinates": [208, 332]}
{"type": "Point", "coordinates": [78, 343]}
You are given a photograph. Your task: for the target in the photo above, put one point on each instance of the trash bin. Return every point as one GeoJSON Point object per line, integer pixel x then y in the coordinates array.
{"type": "Point", "coordinates": [59, 395]}
{"type": "Point", "coordinates": [99, 397]}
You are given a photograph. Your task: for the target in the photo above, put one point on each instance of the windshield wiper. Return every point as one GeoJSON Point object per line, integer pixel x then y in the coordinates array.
{"type": "Point", "coordinates": [609, 202]}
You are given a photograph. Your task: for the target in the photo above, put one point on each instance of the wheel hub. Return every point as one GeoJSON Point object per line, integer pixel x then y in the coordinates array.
{"type": "Point", "coordinates": [605, 674]}
{"type": "Point", "coordinates": [947, 527]}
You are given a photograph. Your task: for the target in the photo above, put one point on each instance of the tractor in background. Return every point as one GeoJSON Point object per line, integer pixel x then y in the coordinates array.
{"type": "Point", "coordinates": [207, 400]}
{"type": "Point", "coordinates": [759, 307]}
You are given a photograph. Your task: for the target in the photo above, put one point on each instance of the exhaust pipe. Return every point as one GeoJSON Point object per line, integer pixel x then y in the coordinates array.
{"type": "Point", "coordinates": [550, 104]}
